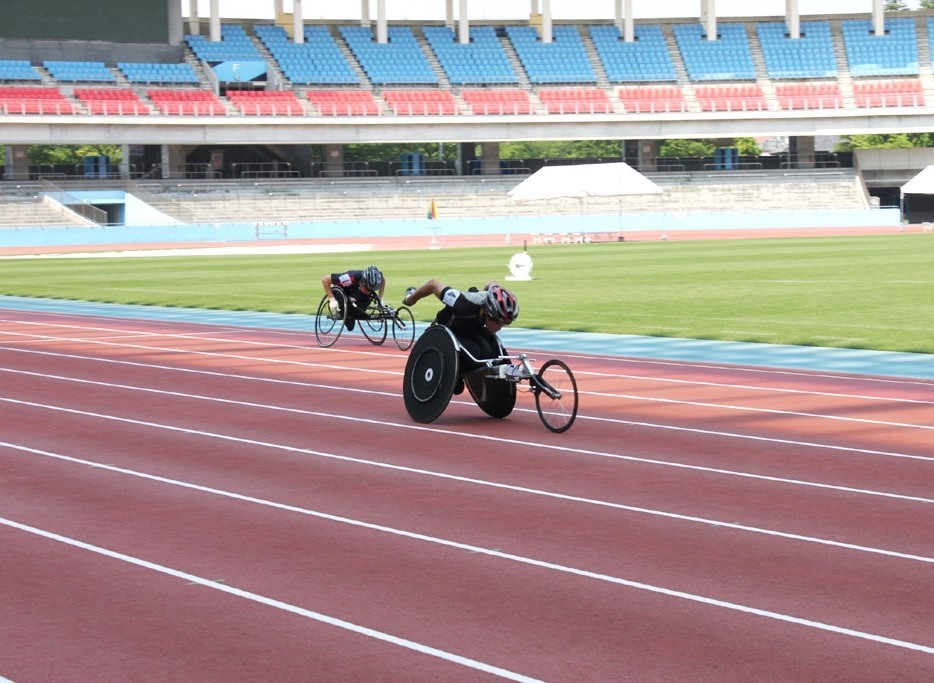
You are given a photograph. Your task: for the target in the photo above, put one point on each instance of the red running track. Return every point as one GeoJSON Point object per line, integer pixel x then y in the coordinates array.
{"type": "Point", "coordinates": [200, 503]}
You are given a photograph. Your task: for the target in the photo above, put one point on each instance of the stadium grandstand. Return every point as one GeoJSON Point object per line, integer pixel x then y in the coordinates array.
{"type": "Point", "coordinates": [219, 117]}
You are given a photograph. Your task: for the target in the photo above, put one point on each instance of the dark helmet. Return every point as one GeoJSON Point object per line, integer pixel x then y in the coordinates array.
{"type": "Point", "coordinates": [372, 278]}
{"type": "Point", "coordinates": [501, 305]}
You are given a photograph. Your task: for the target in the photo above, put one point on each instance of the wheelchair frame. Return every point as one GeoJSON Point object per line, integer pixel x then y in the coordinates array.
{"type": "Point", "coordinates": [374, 321]}
{"type": "Point", "coordinates": [553, 386]}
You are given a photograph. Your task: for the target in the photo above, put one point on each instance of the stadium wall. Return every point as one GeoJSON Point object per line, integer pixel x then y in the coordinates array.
{"type": "Point", "coordinates": [118, 21]}
{"type": "Point", "coordinates": [591, 224]}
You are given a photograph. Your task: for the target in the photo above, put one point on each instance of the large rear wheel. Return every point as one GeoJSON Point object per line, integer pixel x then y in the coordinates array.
{"type": "Point", "coordinates": [329, 325]}
{"type": "Point", "coordinates": [430, 373]}
{"type": "Point", "coordinates": [373, 325]}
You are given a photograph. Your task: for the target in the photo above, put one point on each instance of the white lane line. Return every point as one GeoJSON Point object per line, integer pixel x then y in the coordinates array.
{"type": "Point", "coordinates": [497, 485]}
{"type": "Point", "coordinates": [753, 387]}
{"type": "Point", "coordinates": [692, 597]}
{"type": "Point", "coordinates": [385, 423]}
{"type": "Point", "coordinates": [518, 489]}
{"type": "Point", "coordinates": [340, 388]}
{"type": "Point", "coordinates": [277, 604]}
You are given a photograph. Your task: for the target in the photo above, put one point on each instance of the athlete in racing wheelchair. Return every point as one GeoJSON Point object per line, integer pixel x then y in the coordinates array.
{"type": "Point", "coordinates": [461, 348]}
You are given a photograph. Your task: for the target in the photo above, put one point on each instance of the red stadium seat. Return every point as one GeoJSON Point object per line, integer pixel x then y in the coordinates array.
{"type": "Point", "coordinates": [652, 99]}
{"type": "Point", "coordinates": [343, 102]}
{"type": "Point", "coordinates": [575, 100]}
{"type": "Point", "coordinates": [511, 101]}
{"type": "Point", "coordinates": [23, 100]}
{"type": "Point", "coordinates": [420, 102]}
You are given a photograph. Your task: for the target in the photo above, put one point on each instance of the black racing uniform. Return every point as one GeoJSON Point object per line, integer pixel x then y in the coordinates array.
{"type": "Point", "coordinates": [462, 313]}
{"type": "Point", "coordinates": [349, 281]}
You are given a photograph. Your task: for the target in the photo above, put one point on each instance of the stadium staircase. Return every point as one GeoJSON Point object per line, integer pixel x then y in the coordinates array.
{"type": "Point", "coordinates": [926, 75]}
{"type": "Point", "coordinates": [685, 83]}
{"type": "Point", "coordinates": [762, 74]}
{"type": "Point", "coordinates": [843, 76]}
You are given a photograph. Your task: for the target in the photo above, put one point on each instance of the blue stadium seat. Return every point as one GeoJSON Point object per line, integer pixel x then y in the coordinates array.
{"type": "Point", "coordinates": [893, 54]}
{"type": "Point", "coordinates": [18, 70]}
{"type": "Point", "coordinates": [644, 59]}
{"type": "Point", "coordinates": [480, 61]}
{"type": "Point", "coordinates": [145, 72]}
{"type": "Point", "coordinates": [809, 56]}
{"type": "Point", "coordinates": [234, 45]}
{"type": "Point", "coordinates": [79, 71]}
{"type": "Point", "coordinates": [318, 60]}
{"type": "Point", "coordinates": [563, 60]}
{"type": "Point", "coordinates": [727, 58]}
{"type": "Point", "coordinates": [399, 61]}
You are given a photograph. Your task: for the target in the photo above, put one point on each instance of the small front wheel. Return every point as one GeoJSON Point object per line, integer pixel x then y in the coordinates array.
{"type": "Point", "coordinates": [555, 392]}
{"type": "Point", "coordinates": [403, 328]}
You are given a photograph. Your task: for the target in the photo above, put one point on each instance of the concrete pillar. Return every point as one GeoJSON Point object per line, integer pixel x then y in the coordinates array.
{"type": "Point", "coordinates": [878, 17]}
{"type": "Point", "coordinates": [125, 171]}
{"type": "Point", "coordinates": [801, 149]}
{"type": "Point", "coordinates": [298, 22]}
{"type": "Point", "coordinates": [215, 20]}
{"type": "Point", "coordinates": [489, 163]}
{"type": "Point", "coordinates": [194, 22]}
{"type": "Point", "coordinates": [708, 16]}
{"type": "Point", "coordinates": [16, 162]}
{"type": "Point", "coordinates": [334, 160]}
{"type": "Point", "coordinates": [547, 34]}
{"type": "Point", "coordinates": [382, 26]}
{"type": "Point", "coordinates": [648, 155]}
{"type": "Point", "coordinates": [463, 29]}
{"type": "Point", "coordinates": [449, 13]}
{"type": "Point", "coordinates": [173, 161]}
{"type": "Point", "coordinates": [625, 21]}
{"type": "Point", "coordinates": [793, 19]}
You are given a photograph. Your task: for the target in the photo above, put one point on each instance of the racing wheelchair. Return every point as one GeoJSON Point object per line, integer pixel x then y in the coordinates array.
{"type": "Point", "coordinates": [438, 361]}
{"type": "Point", "coordinates": [374, 321]}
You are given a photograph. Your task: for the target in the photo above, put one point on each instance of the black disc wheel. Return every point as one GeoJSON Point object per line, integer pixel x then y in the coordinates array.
{"type": "Point", "coordinates": [330, 324]}
{"type": "Point", "coordinates": [496, 397]}
{"type": "Point", "coordinates": [555, 392]}
{"type": "Point", "coordinates": [403, 328]}
{"type": "Point", "coordinates": [430, 374]}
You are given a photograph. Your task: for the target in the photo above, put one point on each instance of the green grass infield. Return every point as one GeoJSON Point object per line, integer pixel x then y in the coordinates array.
{"type": "Point", "coordinates": [871, 292]}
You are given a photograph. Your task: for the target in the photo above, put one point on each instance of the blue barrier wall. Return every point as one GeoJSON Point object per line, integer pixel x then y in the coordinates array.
{"type": "Point", "coordinates": [623, 223]}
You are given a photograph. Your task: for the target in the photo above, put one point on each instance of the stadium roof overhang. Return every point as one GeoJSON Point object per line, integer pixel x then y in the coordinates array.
{"type": "Point", "coordinates": [76, 130]}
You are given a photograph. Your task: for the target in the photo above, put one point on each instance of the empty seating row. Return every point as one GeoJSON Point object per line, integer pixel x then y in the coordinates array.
{"type": "Point", "coordinates": [119, 101]}
{"type": "Point", "coordinates": [150, 72]}
{"type": "Point", "coordinates": [575, 101]}
{"type": "Point", "coordinates": [893, 53]}
{"type": "Point", "coordinates": [497, 101]}
{"type": "Point", "coordinates": [726, 58]}
{"type": "Point", "coordinates": [399, 61]}
{"type": "Point", "coordinates": [343, 102]}
{"type": "Point", "coordinates": [810, 55]}
{"type": "Point", "coordinates": [317, 60]}
{"type": "Point", "coordinates": [266, 102]}
{"type": "Point", "coordinates": [34, 101]}
{"type": "Point", "coordinates": [18, 70]}
{"type": "Point", "coordinates": [79, 71]}
{"type": "Point", "coordinates": [892, 93]}
{"type": "Point", "coordinates": [652, 99]}
{"type": "Point", "coordinates": [731, 98]}
{"type": "Point", "coordinates": [809, 95]}
{"type": "Point", "coordinates": [563, 60]}
{"type": "Point", "coordinates": [234, 45]}
{"type": "Point", "coordinates": [481, 60]}
{"type": "Point", "coordinates": [644, 59]}
{"type": "Point", "coordinates": [187, 102]}
{"type": "Point", "coordinates": [420, 102]}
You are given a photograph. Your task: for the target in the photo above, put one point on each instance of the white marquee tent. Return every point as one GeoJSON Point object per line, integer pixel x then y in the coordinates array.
{"type": "Point", "coordinates": [583, 180]}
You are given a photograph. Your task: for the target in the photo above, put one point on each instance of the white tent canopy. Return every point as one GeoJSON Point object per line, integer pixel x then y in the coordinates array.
{"type": "Point", "coordinates": [923, 183]}
{"type": "Point", "coordinates": [583, 180]}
